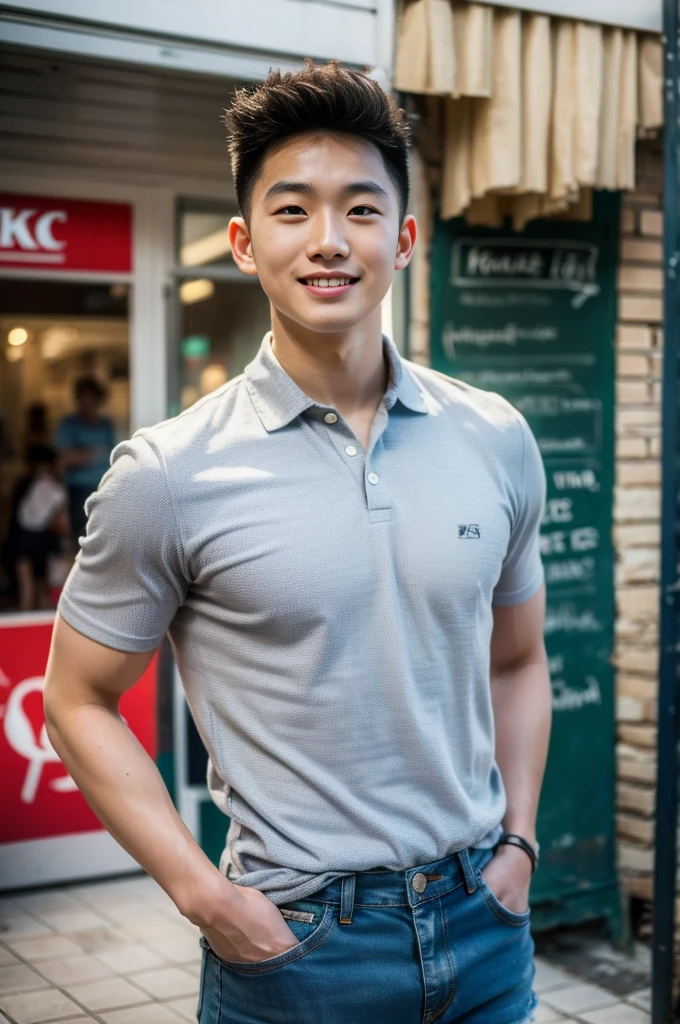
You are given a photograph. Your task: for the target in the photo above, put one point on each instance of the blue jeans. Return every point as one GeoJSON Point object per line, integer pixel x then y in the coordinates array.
{"type": "Point", "coordinates": [386, 947]}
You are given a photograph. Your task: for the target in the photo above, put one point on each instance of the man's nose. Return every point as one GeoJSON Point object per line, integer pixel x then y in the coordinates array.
{"type": "Point", "coordinates": [327, 239]}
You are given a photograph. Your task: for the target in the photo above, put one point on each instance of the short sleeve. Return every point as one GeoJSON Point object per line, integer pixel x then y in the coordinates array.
{"type": "Point", "coordinates": [522, 572]}
{"type": "Point", "coordinates": [128, 579]}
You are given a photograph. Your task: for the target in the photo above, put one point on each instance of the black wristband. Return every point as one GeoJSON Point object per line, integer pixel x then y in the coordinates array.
{"type": "Point", "coordinates": [510, 839]}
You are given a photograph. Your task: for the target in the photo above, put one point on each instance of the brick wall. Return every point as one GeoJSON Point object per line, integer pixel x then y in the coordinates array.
{"type": "Point", "coordinates": [637, 517]}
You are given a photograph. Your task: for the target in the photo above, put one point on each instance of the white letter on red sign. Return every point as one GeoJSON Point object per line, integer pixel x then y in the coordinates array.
{"type": "Point", "coordinates": [13, 227]}
{"type": "Point", "coordinates": [43, 230]}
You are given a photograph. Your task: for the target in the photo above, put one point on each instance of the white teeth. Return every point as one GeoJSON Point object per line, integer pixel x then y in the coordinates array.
{"type": "Point", "coordinates": [328, 282]}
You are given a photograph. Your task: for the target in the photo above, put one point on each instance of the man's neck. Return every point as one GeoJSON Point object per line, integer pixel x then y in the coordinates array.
{"type": "Point", "coordinates": [347, 371]}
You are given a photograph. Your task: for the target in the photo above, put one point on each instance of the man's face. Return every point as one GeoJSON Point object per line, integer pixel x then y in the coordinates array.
{"type": "Point", "coordinates": [324, 234]}
{"type": "Point", "coordinates": [88, 403]}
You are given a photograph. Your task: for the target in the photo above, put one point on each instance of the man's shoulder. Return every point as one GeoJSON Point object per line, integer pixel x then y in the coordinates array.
{"type": "Point", "coordinates": [456, 397]}
{"type": "Point", "coordinates": [198, 425]}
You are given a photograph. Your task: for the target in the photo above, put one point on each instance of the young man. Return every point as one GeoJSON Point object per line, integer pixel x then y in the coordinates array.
{"type": "Point", "coordinates": [346, 647]}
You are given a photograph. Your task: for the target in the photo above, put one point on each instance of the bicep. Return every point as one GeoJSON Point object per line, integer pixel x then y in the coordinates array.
{"type": "Point", "coordinates": [517, 635]}
{"type": "Point", "coordinates": [80, 670]}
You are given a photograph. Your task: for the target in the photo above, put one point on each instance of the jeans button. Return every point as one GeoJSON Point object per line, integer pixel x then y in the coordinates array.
{"type": "Point", "coordinates": [419, 882]}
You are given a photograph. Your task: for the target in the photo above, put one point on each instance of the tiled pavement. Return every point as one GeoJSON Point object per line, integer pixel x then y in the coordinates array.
{"type": "Point", "coordinates": [118, 952]}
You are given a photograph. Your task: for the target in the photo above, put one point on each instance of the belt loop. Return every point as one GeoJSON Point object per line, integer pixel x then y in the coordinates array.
{"type": "Point", "coordinates": [347, 899]}
{"type": "Point", "coordinates": [468, 871]}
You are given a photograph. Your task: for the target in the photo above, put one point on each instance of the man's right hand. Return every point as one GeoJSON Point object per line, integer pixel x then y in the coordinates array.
{"type": "Point", "coordinates": [246, 927]}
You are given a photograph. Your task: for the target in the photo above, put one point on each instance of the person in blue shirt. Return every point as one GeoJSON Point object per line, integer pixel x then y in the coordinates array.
{"type": "Point", "coordinates": [85, 441]}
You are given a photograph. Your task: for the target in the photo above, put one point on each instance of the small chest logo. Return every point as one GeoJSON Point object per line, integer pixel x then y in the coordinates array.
{"type": "Point", "coordinates": [469, 531]}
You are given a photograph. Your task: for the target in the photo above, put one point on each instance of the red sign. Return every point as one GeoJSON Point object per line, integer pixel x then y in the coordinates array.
{"type": "Point", "coordinates": [38, 798]}
{"type": "Point", "coordinates": [39, 232]}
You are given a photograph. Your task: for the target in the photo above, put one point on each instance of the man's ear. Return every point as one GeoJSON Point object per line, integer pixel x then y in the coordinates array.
{"type": "Point", "coordinates": [241, 246]}
{"type": "Point", "coordinates": [406, 242]}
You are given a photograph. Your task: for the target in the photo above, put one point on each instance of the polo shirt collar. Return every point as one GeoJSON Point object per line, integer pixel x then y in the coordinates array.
{"type": "Point", "coordinates": [278, 400]}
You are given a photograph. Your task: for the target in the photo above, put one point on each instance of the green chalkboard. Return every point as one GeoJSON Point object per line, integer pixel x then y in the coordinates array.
{"type": "Point", "coordinates": [531, 316]}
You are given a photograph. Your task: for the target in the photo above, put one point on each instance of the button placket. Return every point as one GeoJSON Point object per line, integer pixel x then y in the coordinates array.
{"type": "Point", "coordinates": [377, 496]}
{"type": "Point", "coordinates": [343, 440]}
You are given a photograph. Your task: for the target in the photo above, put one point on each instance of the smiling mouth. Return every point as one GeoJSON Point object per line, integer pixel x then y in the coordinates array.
{"type": "Point", "coordinates": [339, 281]}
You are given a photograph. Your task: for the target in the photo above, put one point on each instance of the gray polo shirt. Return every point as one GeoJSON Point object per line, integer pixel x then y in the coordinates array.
{"type": "Point", "coordinates": [330, 609]}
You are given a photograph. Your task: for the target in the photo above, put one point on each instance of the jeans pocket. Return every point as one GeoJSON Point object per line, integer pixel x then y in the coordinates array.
{"type": "Point", "coordinates": [497, 908]}
{"type": "Point", "coordinates": [310, 935]}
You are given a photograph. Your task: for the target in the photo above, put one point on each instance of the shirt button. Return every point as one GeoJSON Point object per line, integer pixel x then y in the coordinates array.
{"type": "Point", "coordinates": [350, 450]}
{"type": "Point", "coordinates": [373, 478]}
{"type": "Point", "coordinates": [419, 882]}
{"type": "Point", "coordinates": [330, 417]}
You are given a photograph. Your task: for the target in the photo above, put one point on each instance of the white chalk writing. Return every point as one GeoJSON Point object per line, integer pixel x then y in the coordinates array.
{"type": "Point", "coordinates": [566, 618]}
{"type": "Point", "coordinates": [567, 698]}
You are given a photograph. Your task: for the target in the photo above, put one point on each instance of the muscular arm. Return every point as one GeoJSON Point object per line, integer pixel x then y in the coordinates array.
{"type": "Point", "coordinates": [84, 683]}
{"type": "Point", "coordinates": [83, 686]}
{"type": "Point", "coordinates": [522, 707]}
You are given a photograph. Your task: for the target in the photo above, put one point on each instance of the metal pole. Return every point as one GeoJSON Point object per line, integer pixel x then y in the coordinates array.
{"type": "Point", "coordinates": [665, 858]}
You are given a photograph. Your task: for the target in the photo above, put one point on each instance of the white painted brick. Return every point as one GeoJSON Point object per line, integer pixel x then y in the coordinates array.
{"type": "Point", "coordinates": [637, 659]}
{"type": "Point", "coordinates": [632, 504]}
{"type": "Point", "coordinates": [636, 754]}
{"type": "Point", "coordinates": [641, 250]}
{"type": "Point", "coordinates": [641, 279]}
{"type": "Point", "coordinates": [638, 422]}
{"type": "Point", "coordinates": [643, 689]}
{"type": "Point", "coordinates": [647, 309]}
{"type": "Point", "coordinates": [631, 448]}
{"type": "Point", "coordinates": [644, 630]}
{"type": "Point", "coordinates": [638, 565]}
{"type": "Point", "coordinates": [639, 473]}
{"type": "Point", "coordinates": [640, 830]}
{"type": "Point", "coordinates": [637, 535]}
{"type": "Point", "coordinates": [634, 858]}
{"type": "Point", "coordinates": [628, 709]}
{"type": "Point", "coordinates": [638, 602]}
{"type": "Point", "coordinates": [631, 364]}
{"type": "Point", "coordinates": [633, 392]}
{"type": "Point", "coordinates": [638, 735]}
{"type": "Point", "coordinates": [638, 799]}
{"type": "Point", "coordinates": [633, 336]}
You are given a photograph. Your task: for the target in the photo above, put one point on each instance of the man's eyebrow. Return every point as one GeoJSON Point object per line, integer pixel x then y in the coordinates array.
{"type": "Point", "coordinates": [353, 188]}
{"type": "Point", "coordinates": [281, 187]}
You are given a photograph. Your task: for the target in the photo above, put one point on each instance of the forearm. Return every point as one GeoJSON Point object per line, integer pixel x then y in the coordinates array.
{"type": "Point", "coordinates": [522, 703]}
{"type": "Point", "coordinates": [124, 788]}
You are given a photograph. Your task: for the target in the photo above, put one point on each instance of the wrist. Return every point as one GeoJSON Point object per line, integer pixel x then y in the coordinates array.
{"type": "Point", "coordinates": [203, 898]}
{"type": "Point", "coordinates": [518, 842]}
{"type": "Point", "coordinates": [527, 830]}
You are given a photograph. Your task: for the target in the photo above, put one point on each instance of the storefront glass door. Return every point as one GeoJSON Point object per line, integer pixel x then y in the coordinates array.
{"type": "Point", "coordinates": [64, 404]}
{"type": "Point", "coordinates": [221, 315]}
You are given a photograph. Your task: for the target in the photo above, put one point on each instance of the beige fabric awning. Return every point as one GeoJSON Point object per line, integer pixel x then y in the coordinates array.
{"type": "Point", "coordinates": [538, 111]}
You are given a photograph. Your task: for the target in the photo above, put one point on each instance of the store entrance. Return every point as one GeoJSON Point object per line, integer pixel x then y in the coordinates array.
{"type": "Point", "coordinates": [64, 403]}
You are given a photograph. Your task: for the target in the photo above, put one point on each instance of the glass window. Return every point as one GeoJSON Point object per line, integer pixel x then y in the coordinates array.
{"type": "Point", "coordinates": [203, 238]}
{"type": "Point", "coordinates": [64, 403]}
{"type": "Point", "coordinates": [221, 314]}
{"type": "Point", "coordinates": [221, 326]}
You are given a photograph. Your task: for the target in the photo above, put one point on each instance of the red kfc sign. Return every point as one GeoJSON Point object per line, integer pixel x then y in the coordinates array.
{"type": "Point", "coordinates": [38, 798]}
{"type": "Point", "coordinates": [68, 234]}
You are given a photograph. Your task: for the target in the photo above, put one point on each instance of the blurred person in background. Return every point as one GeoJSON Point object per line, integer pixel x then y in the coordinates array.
{"type": "Point", "coordinates": [36, 430]}
{"type": "Point", "coordinates": [38, 521]}
{"type": "Point", "coordinates": [85, 440]}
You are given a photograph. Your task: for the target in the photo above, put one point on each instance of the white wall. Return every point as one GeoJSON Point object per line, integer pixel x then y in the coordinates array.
{"type": "Point", "coordinates": [201, 35]}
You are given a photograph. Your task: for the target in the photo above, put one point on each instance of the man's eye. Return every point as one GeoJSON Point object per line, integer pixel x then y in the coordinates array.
{"type": "Point", "coordinates": [292, 211]}
{"type": "Point", "coordinates": [362, 211]}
